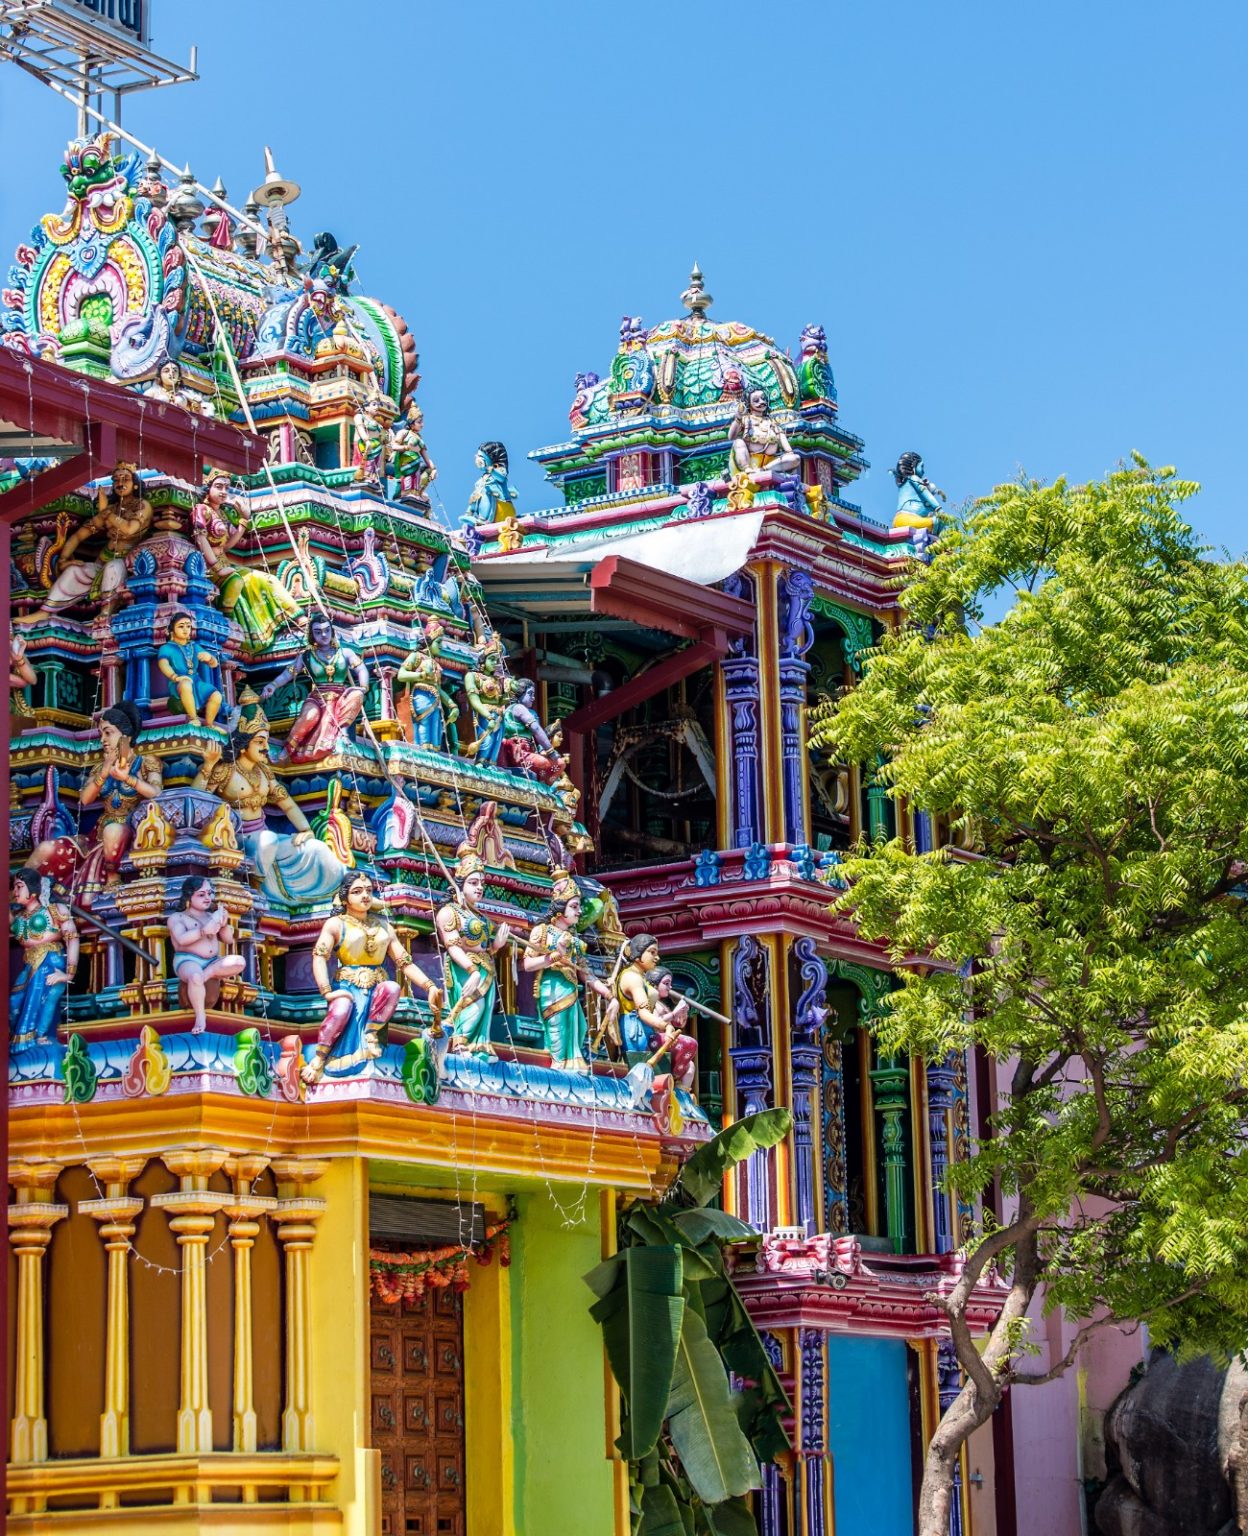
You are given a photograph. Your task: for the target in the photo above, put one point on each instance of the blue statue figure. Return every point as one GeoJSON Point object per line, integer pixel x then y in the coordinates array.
{"type": "Point", "coordinates": [493, 497]}
{"type": "Point", "coordinates": [48, 939]}
{"type": "Point", "coordinates": [184, 661]}
{"type": "Point", "coordinates": [918, 500]}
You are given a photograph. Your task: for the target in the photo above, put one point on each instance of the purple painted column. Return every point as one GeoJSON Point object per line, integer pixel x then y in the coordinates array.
{"type": "Point", "coordinates": [812, 1444]}
{"type": "Point", "coordinates": [751, 1056]}
{"type": "Point", "coordinates": [948, 1385]}
{"type": "Point", "coordinates": [808, 1017]}
{"type": "Point", "coordinates": [940, 1087]}
{"type": "Point", "coordinates": [740, 670]}
{"type": "Point", "coordinates": [796, 637]}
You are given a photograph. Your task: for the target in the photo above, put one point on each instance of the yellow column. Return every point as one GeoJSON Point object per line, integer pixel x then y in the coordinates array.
{"type": "Point", "coordinates": [31, 1219]}
{"type": "Point", "coordinates": [242, 1211]}
{"type": "Point", "coordinates": [192, 1210]}
{"type": "Point", "coordinates": [116, 1213]}
{"type": "Point", "coordinates": [297, 1214]}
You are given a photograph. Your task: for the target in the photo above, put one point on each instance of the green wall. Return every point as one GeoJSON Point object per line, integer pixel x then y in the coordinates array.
{"type": "Point", "coordinates": [563, 1480]}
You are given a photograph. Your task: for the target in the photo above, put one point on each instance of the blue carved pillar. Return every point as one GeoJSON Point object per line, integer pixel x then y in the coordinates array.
{"type": "Point", "coordinates": [940, 1087]}
{"type": "Point", "coordinates": [741, 685]}
{"type": "Point", "coordinates": [771, 1506]}
{"type": "Point", "coordinates": [832, 1118]}
{"type": "Point", "coordinates": [948, 1385]}
{"type": "Point", "coordinates": [797, 635]}
{"type": "Point", "coordinates": [805, 1053]}
{"type": "Point", "coordinates": [751, 1056]}
{"type": "Point", "coordinates": [812, 1441]}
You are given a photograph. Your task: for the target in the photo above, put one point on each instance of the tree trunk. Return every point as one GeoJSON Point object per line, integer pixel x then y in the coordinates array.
{"type": "Point", "coordinates": [961, 1419]}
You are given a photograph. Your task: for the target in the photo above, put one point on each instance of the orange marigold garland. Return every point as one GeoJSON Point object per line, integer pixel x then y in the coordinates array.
{"type": "Point", "coordinates": [407, 1276]}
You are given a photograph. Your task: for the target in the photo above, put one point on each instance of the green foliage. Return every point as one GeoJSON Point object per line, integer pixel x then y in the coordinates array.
{"type": "Point", "coordinates": [674, 1327]}
{"type": "Point", "coordinates": [1093, 746]}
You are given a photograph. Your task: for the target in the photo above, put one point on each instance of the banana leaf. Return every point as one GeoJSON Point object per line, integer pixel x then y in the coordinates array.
{"type": "Point", "coordinates": [660, 1513]}
{"type": "Point", "coordinates": [703, 1175]}
{"type": "Point", "coordinates": [700, 1224]}
{"type": "Point", "coordinates": [641, 1320]}
{"type": "Point", "coordinates": [702, 1421]}
{"type": "Point", "coordinates": [731, 1518]}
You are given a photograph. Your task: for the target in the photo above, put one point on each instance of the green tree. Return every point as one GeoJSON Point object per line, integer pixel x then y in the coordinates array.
{"type": "Point", "coordinates": [676, 1332]}
{"type": "Point", "coordinates": [1093, 746]}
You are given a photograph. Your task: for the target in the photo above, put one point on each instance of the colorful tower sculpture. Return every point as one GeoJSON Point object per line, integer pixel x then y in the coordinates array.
{"type": "Point", "coordinates": [705, 584]}
{"type": "Point", "coordinates": [281, 1081]}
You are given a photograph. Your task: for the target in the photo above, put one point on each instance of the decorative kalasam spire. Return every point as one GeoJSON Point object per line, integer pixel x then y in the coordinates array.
{"type": "Point", "coordinates": [187, 205]}
{"type": "Point", "coordinates": [695, 298]}
{"type": "Point", "coordinates": [275, 190]}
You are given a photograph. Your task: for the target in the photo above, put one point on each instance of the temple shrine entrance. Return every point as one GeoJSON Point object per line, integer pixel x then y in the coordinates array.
{"type": "Point", "coordinates": [417, 1395]}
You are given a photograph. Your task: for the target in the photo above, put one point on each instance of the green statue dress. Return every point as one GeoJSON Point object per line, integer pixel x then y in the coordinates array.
{"type": "Point", "coordinates": [470, 1002]}
{"type": "Point", "coordinates": [559, 1002]}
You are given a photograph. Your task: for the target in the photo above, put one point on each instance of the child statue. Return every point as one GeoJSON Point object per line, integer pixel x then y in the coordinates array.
{"type": "Point", "coordinates": [179, 661]}
{"type": "Point", "coordinates": [197, 927]}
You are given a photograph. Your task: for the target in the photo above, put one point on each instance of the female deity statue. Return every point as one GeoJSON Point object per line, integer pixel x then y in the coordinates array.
{"type": "Point", "coordinates": [525, 745]}
{"type": "Point", "coordinates": [487, 698]}
{"type": "Point", "coordinates": [434, 711]}
{"type": "Point", "coordinates": [409, 457]}
{"type": "Point", "coordinates": [197, 927]}
{"type": "Point", "coordinates": [124, 517]}
{"type": "Point", "coordinates": [338, 681]}
{"type": "Point", "coordinates": [45, 933]}
{"type": "Point", "coordinates": [257, 602]}
{"type": "Point", "coordinates": [179, 660]}
{"type": "Point", "coordinates": [758, 444]}
{"type": "Point", "coordinates": [371, 438]}
{"type": "Point", "coordinates": [493, 497]}
{"type": "Point", "coordinates": [638, 999]}
{"type": "Point", "coordinates": [362, 998]}
{"type": "Point", "coordinates": [918, 500]}
{"type": "Point", "coordinates": [120, 783]}
{"type": "Point", "coordinates": [295, 870]}
{"type": "Point", "coordinates": [470, 941]}
{"type": "Point", "coordinates": [682, 1048]}
{"type": "Point", "coordinates": [169, 387]}
{"type": "Point", "coordinates": [557, 952]}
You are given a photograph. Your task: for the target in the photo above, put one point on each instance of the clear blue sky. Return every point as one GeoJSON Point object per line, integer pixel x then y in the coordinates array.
{"type": "Point", "coordinates": [1024, 227]}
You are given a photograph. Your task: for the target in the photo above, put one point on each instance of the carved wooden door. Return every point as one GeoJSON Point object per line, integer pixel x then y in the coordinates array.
{"type": "Point", "coordinates": [417, 1391]}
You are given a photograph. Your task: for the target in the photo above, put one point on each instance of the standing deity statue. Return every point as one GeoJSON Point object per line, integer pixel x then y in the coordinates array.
{"type": "Point", "coordinates": [558, 955]}
{"type": "Point", "coordinates": [758, 444]}
{"type": "Point", "coordinates": [409, 457]}
{"type": "Point", "coordinates": [525, 745]}
{"type": "Point", "coordinates": [180, 661]}
{"type": "Point", "coordinates": [198, 926]}
{"type": "Point", "coordinates": [339, 681]}
{"type": "Point", "coordinates": [487, 698]}
{"type": "Point", "coordinates": [257, 602]}
{"type": "Point", "coordinates": [371, 438]}
{"type": "Point", "coordinates": [919, 502]}
{"type": "Point", "coordinates": [362, 997]}
{"type": "Point", "coordinates": [493, 497]}
{"type": "Point", "coordinates": [434, 711]}
{"type": "Point", "coordinates": [124, 517]}
{"type": "Point", "coordinates": [120, 783]}
{"type": "Point", "coordinates": [295, 869]}
{"type": "Point", "coordinates": [681, 1047]}
{"type": "Point", "coordinates": [45, 933]}
{"type": "Point", "coordinates": [470, 942]}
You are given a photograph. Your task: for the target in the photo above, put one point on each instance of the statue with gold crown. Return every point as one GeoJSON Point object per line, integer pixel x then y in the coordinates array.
{"type": "Point", "coordinates": [470, 941]}
{"type": "Point", "coordinates": [295, 869]}
{"type": "Point", "coordinates": [556, 953]}
{"type": "Point", "coordinates": [487, 698]}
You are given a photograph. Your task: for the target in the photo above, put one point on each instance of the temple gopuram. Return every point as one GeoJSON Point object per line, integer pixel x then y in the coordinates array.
{"type": "Point", "coordinates": [394, 905]}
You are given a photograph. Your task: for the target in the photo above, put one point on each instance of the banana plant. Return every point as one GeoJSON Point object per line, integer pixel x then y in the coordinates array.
{"type": "Point", "coordinates": [677, 1336]}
